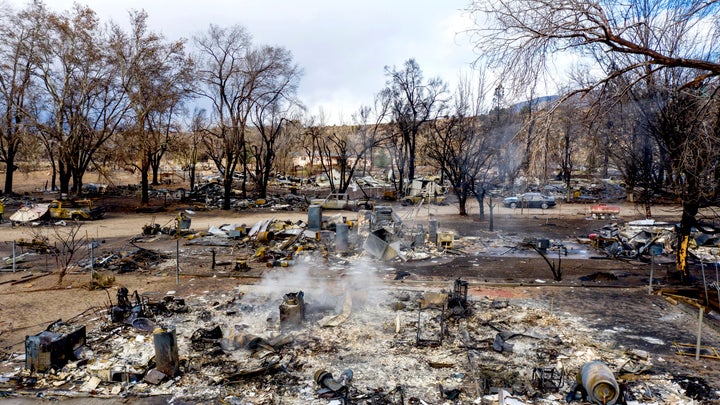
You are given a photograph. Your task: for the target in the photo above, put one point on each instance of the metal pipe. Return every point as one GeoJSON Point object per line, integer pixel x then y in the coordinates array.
{"type": "Point", "coordinates": [92, 263]}
{"type": "Point", "coordinates": [707, 299]}
{"type": "Point", "coordinates": [599, 382]}
{"type": "Point", "coordinates": [177, 261]}
{"type": "Point", "coordinates": [699, 334]}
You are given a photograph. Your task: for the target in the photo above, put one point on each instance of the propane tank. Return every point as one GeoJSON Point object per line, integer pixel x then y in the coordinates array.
{"type": "Point", "coordinates": [599, 382]}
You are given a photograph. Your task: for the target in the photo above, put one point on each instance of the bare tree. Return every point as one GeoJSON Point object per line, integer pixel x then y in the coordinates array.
{"type": "Point", "coordinates": [461, 147]}
{"type": "Point", "coordinates": [368, 124]}
{"type": "Point", "coordinates": [223, 71]}
{"type": "Point", "coordinates": [633, 41]}
{"type": "Point", "coordinates": [188, 146]}
{"type": "Point", "coordinates": [235, 77]}
{"type": "Point", "coordinates": [272, 110]}
{"type": "Point", "coordinates": [567, 141]}
{"type": "Point", "coordinates": [64, 242]}
{"type": "Point", "coordinates": [688, 129]}
{"type": "Point", "coordinates": [155, 75]}
{"type": "Point", "coordinates": [343, 149]}
{"type": "Point", "coordinates": [82, 104]}
{"type": "Point", "coordinates": [523, 37]}
{"type": "Point", "coordinates": [18, 41]}
{"type": "Point", "coordinates": [411, 104]}
{"type": "Point", "coordinates": [314, 128]}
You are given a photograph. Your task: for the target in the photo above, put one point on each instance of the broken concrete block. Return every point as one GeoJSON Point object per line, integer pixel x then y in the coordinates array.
{"type": "Point", "coordinates": [154, 377]}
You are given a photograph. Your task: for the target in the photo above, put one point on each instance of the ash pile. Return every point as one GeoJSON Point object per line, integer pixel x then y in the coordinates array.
{"type": "Point", "coordinates": [337, 336]}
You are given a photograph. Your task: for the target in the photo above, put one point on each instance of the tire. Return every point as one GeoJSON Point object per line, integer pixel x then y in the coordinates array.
{"type": "Point", "coordinates": [513, 205]}
{"type": "Point", "coordinates": [544, 206]}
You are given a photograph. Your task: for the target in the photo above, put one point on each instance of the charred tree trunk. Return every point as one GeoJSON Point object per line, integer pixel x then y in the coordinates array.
{"type": "Point", "coordinates": [76, 181]}
{"type": "Point", "coordinates": [145, 179]}
{"type": "Point", "coordinates": [481, 198]}
{"type": "Point", "coordinates": [227, 188]}
{"type": "Point", "coordinates": [9, 171]}
{"type": "Point", "coordinates": [144, 187]}
{"type": "Point", "coordinates": [191, 176]}
{"type": "Point", "coordinates": [64, 177]}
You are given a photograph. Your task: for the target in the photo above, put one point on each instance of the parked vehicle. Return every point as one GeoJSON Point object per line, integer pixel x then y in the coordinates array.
{"type": "Point", "coordinates": [530, 200]}
{"type": "Point", "coordinates": [341, 201]}
{"type": "Point", "coordinates": [75, 209]}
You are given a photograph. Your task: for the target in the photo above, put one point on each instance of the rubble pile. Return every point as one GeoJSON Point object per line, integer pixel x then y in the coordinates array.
{"type": "Point", "coordinates": [637, 239]}
{"type": "Point", "coordinates": [634, 239]}
{"type": "Point", "coordinates": [311, 335]}
{"type": "Point", "coordinates": [379, 233]}
{"type": "Point", "coordinates": [211, 196]}
{"type": "Point", "coordinates": [126, 261]}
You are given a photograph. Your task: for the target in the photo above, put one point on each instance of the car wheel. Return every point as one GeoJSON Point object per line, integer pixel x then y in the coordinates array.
{"type": "Point", "coordinates": [513, 205]}
{"type": "Point", "coordinates": [544, 206]}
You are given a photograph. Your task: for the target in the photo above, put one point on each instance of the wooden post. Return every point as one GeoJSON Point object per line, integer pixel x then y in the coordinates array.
{"type": "Point", "coordinates": [14, 244]}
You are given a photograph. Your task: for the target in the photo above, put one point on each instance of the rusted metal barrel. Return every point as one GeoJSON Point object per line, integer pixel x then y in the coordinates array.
{"type": "Point", "coordinates": [265, 236]}
{"type": "Point", "coordinates": [166, 351]}
{"type": "Point", "coordinates": [292, 309]}
{"type": "Point", "coordinates": [599, 382]}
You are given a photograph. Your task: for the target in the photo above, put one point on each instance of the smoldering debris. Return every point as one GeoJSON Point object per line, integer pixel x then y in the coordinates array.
{"type": "Point", "coordinates": [237, 346]}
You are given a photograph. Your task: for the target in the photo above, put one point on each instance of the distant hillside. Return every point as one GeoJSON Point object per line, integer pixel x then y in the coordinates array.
{"type": "Point", "coordinates": [538, 103]}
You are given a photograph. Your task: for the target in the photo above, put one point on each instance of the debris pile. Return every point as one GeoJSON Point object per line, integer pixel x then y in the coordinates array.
{"type": "Point", "coordinates": [211, 196]}
{"type": "Point", "coordinates": [379, 233]}
{"type": "Point", "coordinates": [336, 338]}
{"type": "Point", "coordinates": [634, 239]}
{"type": "Point", "coordinates": [126, 261]}
{"type": "Point", "coordinates": [642, 238]}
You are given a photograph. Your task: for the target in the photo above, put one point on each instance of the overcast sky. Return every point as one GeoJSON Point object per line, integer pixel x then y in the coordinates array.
{"type": "Point", "coordinates": [342, 46]}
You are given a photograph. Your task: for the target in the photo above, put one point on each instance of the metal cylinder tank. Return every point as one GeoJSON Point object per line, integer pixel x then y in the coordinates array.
{"type": "Point", "coordinates": [166, 351]}
{"type": "Point", "coordinates": [314, 217]}
{"type": "Point", "coordinates": [433, 225]}
{"type": "Point", "coordinates": [599, 382]}
{"type": "Point", "coordinates": [341, 237]}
